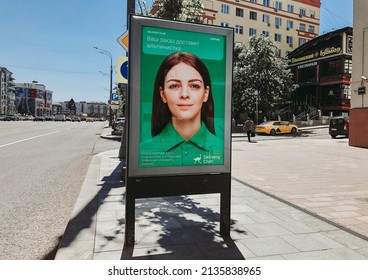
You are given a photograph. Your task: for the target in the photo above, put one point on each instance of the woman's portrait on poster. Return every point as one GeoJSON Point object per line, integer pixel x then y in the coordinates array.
{"type": "Point", "coordinates": [182, 124]}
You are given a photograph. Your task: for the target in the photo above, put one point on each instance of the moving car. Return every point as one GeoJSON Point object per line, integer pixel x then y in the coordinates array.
{"type": "Point", "coordinates": [276, 127]}
{"type": "Point", "coordinates": [338, 126]}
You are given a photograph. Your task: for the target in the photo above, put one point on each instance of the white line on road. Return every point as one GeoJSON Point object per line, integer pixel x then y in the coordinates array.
{"type": "Point", "coordinates": [38, 136]}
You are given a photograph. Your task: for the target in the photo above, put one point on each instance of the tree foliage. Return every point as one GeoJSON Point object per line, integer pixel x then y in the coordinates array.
{"type": "Point", "coordinates": [122, 91]}
{"type": "Point", "coordinates": [183, 10]}
{"type": "Point", "coordinates": [71, 105]}
{"type": "Point", "coordinates": [257, 70]}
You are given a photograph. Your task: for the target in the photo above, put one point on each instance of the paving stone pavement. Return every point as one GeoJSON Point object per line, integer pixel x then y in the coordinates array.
{"type": "Point", "coordinates": [265, 224]}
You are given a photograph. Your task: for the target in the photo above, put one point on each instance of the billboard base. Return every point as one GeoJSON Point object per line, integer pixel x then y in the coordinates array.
{"type": "Point", "coordinates": [146, 187]}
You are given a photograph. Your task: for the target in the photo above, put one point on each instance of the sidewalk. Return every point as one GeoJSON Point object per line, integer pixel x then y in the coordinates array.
{"type": "Point", "coordinates": [187, 227]}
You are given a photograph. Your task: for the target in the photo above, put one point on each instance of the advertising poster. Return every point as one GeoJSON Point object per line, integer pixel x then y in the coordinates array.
{"type": "Point", "coordinates": [183, 97]}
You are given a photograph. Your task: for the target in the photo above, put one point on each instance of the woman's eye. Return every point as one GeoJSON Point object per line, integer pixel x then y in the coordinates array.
{"type": "Point", "coordinates": [174, 86]}
{"type": "Point", "coordinates": [195, 86]}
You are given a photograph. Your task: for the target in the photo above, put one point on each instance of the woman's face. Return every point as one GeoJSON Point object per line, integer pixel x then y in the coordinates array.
{"type": "Point", "coordinates": [184, 92]}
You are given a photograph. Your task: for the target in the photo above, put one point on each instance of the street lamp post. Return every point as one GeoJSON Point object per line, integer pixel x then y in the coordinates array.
{"type": "Point", "coordinates": [108, 54]}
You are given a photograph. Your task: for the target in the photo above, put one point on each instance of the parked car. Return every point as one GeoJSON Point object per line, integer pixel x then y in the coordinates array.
{"type": "Point", "coordinates": [49, 118]}
{"type": "Point", "coordinates": [118, 122]}
{"type": "Point", "coordinates": [28, 118]}
{"type": "Point", "coordinates": [339, 126]}
{"type": "Point", "coordinates": [39, 119]}
{"type": "Point", "coordinates": [89, 119]}
{"type": "Point", "coordinates": [276, 127]}
{"type": "Point", "coordinates": [60, 118]}
{"type": "Point", "coordinates": [11, 117]}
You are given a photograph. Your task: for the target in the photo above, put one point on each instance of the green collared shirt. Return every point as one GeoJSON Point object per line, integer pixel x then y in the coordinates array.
{"type": "Point", "coordinates": [170, 149]}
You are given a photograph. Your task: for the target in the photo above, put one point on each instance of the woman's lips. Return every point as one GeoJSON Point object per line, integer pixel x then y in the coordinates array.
{"type": "Point", "coordinates": [184, 105]}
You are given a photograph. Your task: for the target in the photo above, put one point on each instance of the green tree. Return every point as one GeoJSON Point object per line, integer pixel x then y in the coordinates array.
{"type": "Point", "coordinates": [183, 10]}
{"type": "Point", "coordinates": [71, 106]}
{"type": "Point", "coordinates": [121, 90]}
{"type": "Point", "coordinates": [257, 70]}
{"type": "Point", "coordinates": [143, 9]}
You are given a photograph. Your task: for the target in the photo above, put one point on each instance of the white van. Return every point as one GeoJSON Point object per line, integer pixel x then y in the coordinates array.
{"type": "Point", "coordinates": [60, 118]}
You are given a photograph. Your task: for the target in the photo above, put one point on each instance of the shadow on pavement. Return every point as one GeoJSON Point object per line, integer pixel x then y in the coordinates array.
{"type": "Point", "coordinates": [176, 228]}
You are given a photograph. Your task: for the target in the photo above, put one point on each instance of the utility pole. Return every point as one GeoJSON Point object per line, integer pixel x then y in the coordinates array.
{"type": "Point", "coordinates": [130, 9]}
{"type": "Point", "coordinates": [123, 145]}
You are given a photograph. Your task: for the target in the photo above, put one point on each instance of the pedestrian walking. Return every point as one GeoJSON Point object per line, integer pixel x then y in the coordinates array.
{"type": "Point", "coordinates": [248, 128]}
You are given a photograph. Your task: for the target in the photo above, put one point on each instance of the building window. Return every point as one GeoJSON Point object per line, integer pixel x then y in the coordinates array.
{"type": "Point", "coordinates": [266, 34]}
{"type": "Point", "coordinates": [302, 27]}
{"type": "Point", "coordinates": [278, 53]}
{"type": "Point", "coordinates": [277, 21]}
{"type": "Point", "coordinates": [239, 12]}
{"type": "Point", "coordinates": [277, 37]}
{"type": "Point", "coordinates": [278, 5]}
{"type": "Point", "coordinates": [302, 12]}
{"type": "Point", "coordinates": [289, 40]}
{"type": "Point", "coordinates": [239, 29]}
{"type": "Point", "coordinates": [331, 67]}
{"type": "Point", "coordinates": [348, 66]}
{"type": "Point", "coordinates": [252, 15]}
{"type": "Point", "coordinates": [312, 14]}
{"type": "Point", "coordinates": [311, 29]}
{"type": "Point", "coordinates": [290, 24]}
{"type": "Point", "coordinates": [225, 9]}
{"type": "Point", "coordinates": [225, 24]}
{"type": "Point", "coordinates": [253, 1]}
{"type": "Point", "coordinates": [252, 32]}
{"type": "Point", "coordinates": [266, 3]}
{"type": "Point", "coordinates": [266, 18]}
{"type": "Point", "coordinates": [301, 41]}
{"type": "Point", "coordinates": [290, 8]}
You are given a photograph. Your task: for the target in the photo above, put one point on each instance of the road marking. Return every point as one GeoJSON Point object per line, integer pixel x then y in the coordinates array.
{"type": "Point", "coordinates": [12, 143]}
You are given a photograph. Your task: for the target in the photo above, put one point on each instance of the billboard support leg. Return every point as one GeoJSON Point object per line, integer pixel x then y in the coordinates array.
{"type": "Point", "coordinates": [129, 214]}
{"type": "Point", "coordinates": [225, 206]}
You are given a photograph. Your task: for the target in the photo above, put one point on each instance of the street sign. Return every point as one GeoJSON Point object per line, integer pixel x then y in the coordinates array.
{"type": "Point", "coordinates": [122, 70]}
{"type": "Point", "coordinates": [123, 40]}
{"type": "Point", "coordinates": [115, 96]}
{"type": "Point", "coordinates": [361, 90]}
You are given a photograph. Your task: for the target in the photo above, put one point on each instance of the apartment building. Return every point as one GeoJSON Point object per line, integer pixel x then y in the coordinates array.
{"type": "Point", "coordinates": [290, 23]}
{"type": "Point", "coordinates": [7, 97]}
{"type": "Point", "coordinates": [359, 101]}
{"type": "Point", "coordinates": [33, 98]}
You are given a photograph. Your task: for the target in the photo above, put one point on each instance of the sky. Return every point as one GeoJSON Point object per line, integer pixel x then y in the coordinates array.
{"type": "Point", "coordinates": [52, 42]}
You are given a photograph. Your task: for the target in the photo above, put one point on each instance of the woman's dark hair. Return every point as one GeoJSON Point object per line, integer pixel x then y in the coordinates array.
{"type": "Point", "coordinates": [161, 114]}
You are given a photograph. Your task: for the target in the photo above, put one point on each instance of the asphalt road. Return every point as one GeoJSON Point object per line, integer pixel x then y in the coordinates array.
{"type": "Point", "coordinates": [43, 165]}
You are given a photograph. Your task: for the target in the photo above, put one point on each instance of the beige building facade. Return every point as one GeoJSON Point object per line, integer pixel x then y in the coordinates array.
{"type": "Point", "coordinates": [358, 132]}
{"type": "Point", "coordinates": [290, 23]}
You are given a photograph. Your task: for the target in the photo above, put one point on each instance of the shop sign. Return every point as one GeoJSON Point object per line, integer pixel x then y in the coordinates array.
{"type": "Point", "coordinates": [322, 53]}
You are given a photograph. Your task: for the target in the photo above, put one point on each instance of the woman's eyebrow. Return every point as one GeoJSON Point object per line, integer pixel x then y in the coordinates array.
{"type": "Point", "coordinates": [179, 81]}
{"type": "Point", "coordinates": [173, 80]}
{"type": "Point", "coordinates": [196, 80]}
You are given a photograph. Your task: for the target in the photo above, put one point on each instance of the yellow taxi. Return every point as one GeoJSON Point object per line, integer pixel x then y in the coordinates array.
{"type": "Point", "coordinates": [276, 127]}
